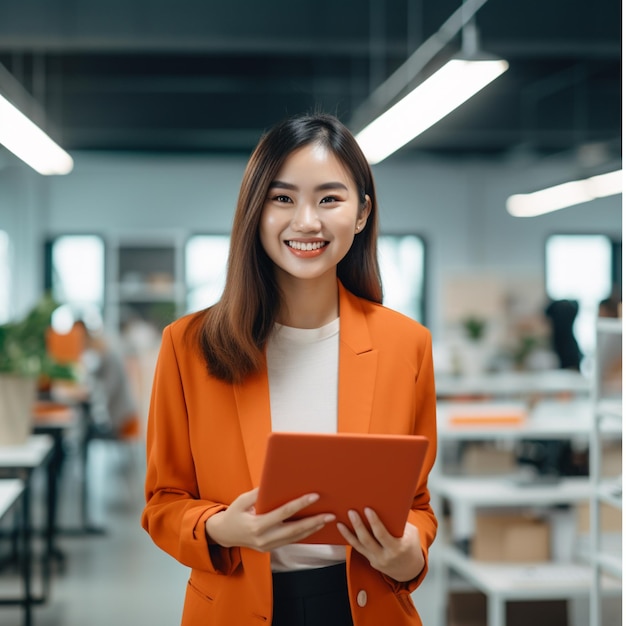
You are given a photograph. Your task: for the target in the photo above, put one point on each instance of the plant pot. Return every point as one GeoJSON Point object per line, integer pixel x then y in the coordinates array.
{"type": "Point", "coordinates": [475, 357]}
{"type": "Point", "coordinates": [17, 396]}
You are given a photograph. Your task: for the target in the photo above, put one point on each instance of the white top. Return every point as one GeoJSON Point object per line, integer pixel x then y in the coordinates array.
{"type": "Point", "coordinates": [303, 373]}
{"type": "Point", "coordinates": [303, 369]}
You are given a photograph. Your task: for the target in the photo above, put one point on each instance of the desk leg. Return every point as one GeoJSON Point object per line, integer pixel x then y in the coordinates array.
{"type": "Point", "coordinates": [27, 555]}
{"type": "Point", "coordinates": [496, 610]}
{"type": "Point", "coordinates": [51, 531]}
{"type": "Point", "coordinates": [87, 526]}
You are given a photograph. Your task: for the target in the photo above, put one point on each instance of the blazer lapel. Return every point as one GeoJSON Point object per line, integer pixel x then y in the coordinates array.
{"type": "Point", "coordinates": [253, 407]}
{"type": "Point", "coordinates": [358, 363]}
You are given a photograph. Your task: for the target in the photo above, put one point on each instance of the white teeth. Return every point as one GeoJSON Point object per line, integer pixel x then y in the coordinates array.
{"type": "Point", "coordinates": [299, 245]}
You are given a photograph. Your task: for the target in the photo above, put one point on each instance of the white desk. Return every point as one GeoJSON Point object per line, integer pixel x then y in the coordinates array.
{"type": "Point", "coordinates": [12, 490]}
{"type": "Point", "coordinates": [513, 384]}
{"type": "Point", "coordinates": [28, 456]}
{"type": "Point", "coordinates": [20, 462]}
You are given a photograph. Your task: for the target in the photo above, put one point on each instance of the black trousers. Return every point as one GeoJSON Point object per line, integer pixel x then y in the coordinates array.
{"type": "Point", "coordinates": [313, 597]}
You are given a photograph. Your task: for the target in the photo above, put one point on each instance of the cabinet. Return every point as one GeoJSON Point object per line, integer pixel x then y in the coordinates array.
{"type": "Point", "coordinates": [564, 576]}
{"type": "Point", "coordinates": [146, 282]}
{"type": "Point", "coordinates": [606, 486]}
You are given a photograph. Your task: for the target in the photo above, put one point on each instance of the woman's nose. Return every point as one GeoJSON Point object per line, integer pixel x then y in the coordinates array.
{"type": "Point", "coordinates": [306, 218]}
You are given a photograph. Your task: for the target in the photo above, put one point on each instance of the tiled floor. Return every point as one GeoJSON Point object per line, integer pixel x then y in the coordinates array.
{"type": "Point", "coordinates": [120, 577]}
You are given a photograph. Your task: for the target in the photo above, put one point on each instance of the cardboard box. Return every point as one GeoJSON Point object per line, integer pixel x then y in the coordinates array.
{"type": "Point", "coordinates": [610, 518]}
{"type": "Point", "coordinates": [611, 459]}
{"type": "Point", "coordinates": [481, 459]}
{"type": "Point", "coordinates": [512, 538]}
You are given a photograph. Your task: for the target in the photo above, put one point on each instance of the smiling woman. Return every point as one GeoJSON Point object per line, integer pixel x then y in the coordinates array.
{"type": "Point", "coordinates": [299, 341]}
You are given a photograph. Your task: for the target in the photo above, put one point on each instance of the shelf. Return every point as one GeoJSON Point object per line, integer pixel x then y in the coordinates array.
{"type": "Point", "coordinates": [610, 493]}
{"type": "Point", "coordinates": [526, 581]}
{"type": "Point", "coordinates": [611, 409]}
{"type": "Point", "coordinates": [609, 326]}
{"type": "Point", "coordinates": [607, 391]}
{"type": "Point", "coordinates": [610, 564]}
{"type": "Point", "coordinates": [513, 384]}
{"type": "Point", "coordinates": [549, 419]}
{"type": "Point", "coordinates": [146, 293]}
{"type": "Point", "coordinates": [506, 492]}
{"type": "Point", "coordinates": [466, 494]}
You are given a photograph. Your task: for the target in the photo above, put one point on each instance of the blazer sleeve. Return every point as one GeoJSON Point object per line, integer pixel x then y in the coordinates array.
{"type": "Point", "coordinates": [421, 514]}
{"type": "Point", "coordinates": [174, 515]}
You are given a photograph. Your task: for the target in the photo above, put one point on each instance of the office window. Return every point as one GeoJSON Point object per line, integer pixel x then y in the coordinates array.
{"type": "Point", "coordinates": [5, 278]}
{"type": "Point", "coordinates": [401, 259]}
{"type": "Point", "coordinates": [205, 269]}
{"type": "Point", "coordinates": [75, 274]}
{"type": "Point", "coordinates": [581, 268]}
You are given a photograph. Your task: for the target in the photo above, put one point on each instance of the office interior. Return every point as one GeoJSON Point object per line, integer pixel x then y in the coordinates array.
{"type": "Point", "coordinates": [160, 107]}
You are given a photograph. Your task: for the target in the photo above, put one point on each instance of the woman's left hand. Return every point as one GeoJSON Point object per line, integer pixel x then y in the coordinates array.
{"type": "Point", "coordinates": [399, 558]}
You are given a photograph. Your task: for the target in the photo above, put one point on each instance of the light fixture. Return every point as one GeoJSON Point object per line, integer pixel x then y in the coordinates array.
{"type": "Point", "coordinates": [457, 81]}
{"type": "Point", "coordinates": [31, 144]}
{"type": "Point", "coordinates": [564, 195]}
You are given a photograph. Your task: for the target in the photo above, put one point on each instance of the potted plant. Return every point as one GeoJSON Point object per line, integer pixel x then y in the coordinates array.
{"type": "Point", "coordinates": [475, 349]}
{"type": "Point", "coordinates": [474, 327]}
{"type": "Point", "coordinates": [24, 362]}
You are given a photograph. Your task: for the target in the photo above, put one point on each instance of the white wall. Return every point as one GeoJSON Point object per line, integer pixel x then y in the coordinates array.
{"type": "Point", "coordinates": [457, 205]}
{"type": "Point", "coordinates": [23, 209]}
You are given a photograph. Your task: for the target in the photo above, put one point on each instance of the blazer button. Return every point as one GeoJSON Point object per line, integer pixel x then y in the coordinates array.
{"type": "Point", "coordinates": [361, 598]}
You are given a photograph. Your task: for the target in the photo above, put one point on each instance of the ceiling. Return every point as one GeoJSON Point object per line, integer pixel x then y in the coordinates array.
{"type": "Point", "coordinates": [206, 76]}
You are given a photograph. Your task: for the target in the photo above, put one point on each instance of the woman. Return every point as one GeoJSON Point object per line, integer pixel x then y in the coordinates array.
{"type": "Point", "coordinates": [299, 341]}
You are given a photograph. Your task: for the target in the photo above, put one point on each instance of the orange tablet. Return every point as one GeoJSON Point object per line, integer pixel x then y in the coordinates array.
{"type": "Point", "coordinates": [349, 471]}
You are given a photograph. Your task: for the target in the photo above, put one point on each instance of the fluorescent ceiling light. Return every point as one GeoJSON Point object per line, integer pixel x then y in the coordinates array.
{"type": "Point", "coordinates": [457, 81]}
{"type": "Point", "coordinates": [28, 142]}
{"type": "Point", "coordinates": [567, 194]}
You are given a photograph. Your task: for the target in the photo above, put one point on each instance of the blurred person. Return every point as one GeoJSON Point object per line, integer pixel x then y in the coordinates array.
{"type": "Point", "coordinates": [562, 315]}
{"type": "Point", "coordinates": [302, 279]}
{"type": "Point", "coordinates": [113, 406]}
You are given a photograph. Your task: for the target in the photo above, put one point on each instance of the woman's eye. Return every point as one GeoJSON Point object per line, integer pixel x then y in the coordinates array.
{"type": "Point", "coordinates": [328, 199]}
{"type": "Point", "coordinates": [281, 198]}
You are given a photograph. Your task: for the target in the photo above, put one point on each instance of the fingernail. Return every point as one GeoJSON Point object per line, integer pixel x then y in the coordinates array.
{"type": "Point", "coordinates": [313, 497]}
{"type": "Point", "coordinates": [328, 518]}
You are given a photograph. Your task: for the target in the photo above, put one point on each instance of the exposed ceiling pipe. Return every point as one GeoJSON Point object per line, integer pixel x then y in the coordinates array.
{"type": "Point", "coordinates": [397, 82]}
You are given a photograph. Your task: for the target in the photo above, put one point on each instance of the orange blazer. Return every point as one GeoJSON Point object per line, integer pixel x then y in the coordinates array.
{"type": "Point", "coordinates": [206, 445]}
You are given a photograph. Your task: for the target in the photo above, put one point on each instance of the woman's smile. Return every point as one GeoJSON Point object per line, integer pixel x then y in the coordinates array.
{"type": "Point", "coordinates": [307, 249]}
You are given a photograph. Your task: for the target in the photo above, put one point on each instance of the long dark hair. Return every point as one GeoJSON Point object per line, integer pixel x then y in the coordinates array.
{"type": "Point", "coordinates": [232, 334]}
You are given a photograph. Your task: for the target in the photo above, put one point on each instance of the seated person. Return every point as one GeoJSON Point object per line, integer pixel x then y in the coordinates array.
{"type": "Point", "coordinates": [114, 406]}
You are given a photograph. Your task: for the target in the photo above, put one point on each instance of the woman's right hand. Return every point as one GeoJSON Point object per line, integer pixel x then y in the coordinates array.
{"type": "Point", "coordinates": [239, 524]}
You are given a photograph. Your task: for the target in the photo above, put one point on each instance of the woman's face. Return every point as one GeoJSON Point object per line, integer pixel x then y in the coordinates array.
{"type": "Point", "coordinates": [311, 214]}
